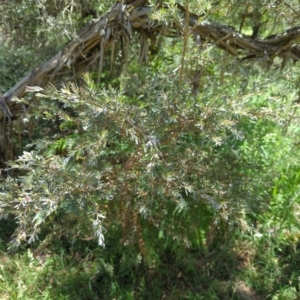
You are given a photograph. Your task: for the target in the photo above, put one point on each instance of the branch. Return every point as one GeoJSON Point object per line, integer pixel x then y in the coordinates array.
{"type": "Point", "coordinates": [117, 26]}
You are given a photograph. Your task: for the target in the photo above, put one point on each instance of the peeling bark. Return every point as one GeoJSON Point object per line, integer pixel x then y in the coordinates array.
{"type": "Point", "coordinates": [123, 20]}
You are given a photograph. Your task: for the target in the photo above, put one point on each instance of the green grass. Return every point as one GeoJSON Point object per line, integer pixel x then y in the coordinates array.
{"type": "Point", "coordinates": [95, 274]}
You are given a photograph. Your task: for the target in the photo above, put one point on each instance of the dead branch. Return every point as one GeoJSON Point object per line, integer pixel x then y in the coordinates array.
{"type": "Point", "coordinates": [123, 20]}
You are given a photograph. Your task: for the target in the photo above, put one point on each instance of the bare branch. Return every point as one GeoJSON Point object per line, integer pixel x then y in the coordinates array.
{"type": "Point", "coordinates": [119, 24]}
